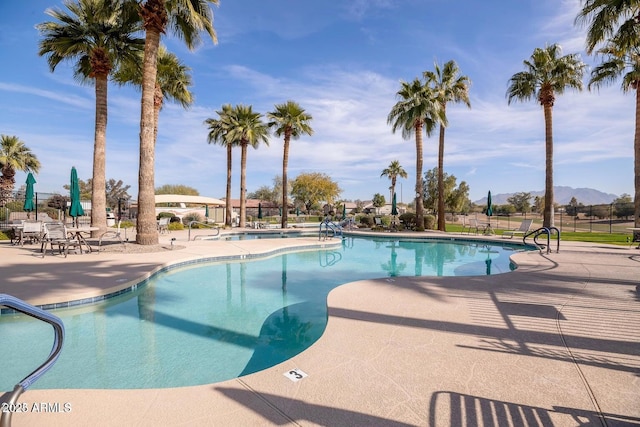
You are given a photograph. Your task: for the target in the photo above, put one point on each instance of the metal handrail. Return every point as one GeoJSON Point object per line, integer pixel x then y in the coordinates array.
{"type": "Point", "coordinates": [206, 225]}
{"type": "Point", "coordinates": [329, 225]}
{"type": "Point", "coordinates": [538, 232]}
{"type": "Point", "coordinates": [58, 327]}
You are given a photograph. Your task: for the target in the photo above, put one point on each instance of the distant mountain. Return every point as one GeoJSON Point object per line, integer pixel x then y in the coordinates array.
{"type": "Point", "coordinates": [562, 195]}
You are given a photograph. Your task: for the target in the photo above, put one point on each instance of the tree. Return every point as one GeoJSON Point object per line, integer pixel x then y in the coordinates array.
{"type": "Point", "coordinates": [547, 74]}
{"type": "Point", "coordinates": [449, 86]}
{"type": "Point", "coordinates": [266, 194]}
{"type": "Point", "coordinates": [416, 110]}
{"type": "Point", "coordinates": [186, 18]}
{"type": "Point", "coordinates": [393, 171]}
{"type": "Point", "coordinates": [116, 191]}
{"type": "Point", "coordinates": [521, 202]}
{"type": "Point", "coordinates": [86, 189]}
{"type": "Point", "coordinates": [184, 190]}
{"type": "Point", "coordinates": [172, 81]}
{"type": "Point", "coordinates": [456, 198]}
{"type": "Point", "coordinates": [290, 121]}
{"type": "Point", "coordinates": [218, 134]}
{"type": "Point", "coordinates": [378, 201]}
{"type": "Point", "coordinates": [14, 156]}
{"type": "Point", "coordinates": [96, 35]}
{"type": "Point", "coordinates": [623, 206]}
{"type": "Point", "coordinates": [609, 19]}
{"type": "Point", "coordinates": [313, 187]}
{"type": "Point", "coordinates": [247, 128]}
{"type": "Point", "coordinates": [624, 62]}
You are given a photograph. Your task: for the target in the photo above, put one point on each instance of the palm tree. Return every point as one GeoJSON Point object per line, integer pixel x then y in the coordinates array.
{"type": "Point", "coordinates": [417, 109]}
{"type": "Point", "coordinates": [290, 120]}
{"type": "Point", "coordinates": [607, 19]}
{"type": "Point", "coordinates": [247, 128]}
{"type": "Point", "coordinates": [187, 18]}
{"type": "Point", "coordinates": [96, 35]}
{"type": "Point", "coordinates": [449, 86]}
{"type": "Point", "coordinates": [14, 156]}
{"type": "Point", "coordinates": [547, 74]}
{"type": "Point", "coordinates": [619, 61]}
{"type": "Point", "coordinates": [393, 171]}
{"type": "Point", "coordinates": [218, 131]}
{"type": "Point", "coordinates": [173, 81]}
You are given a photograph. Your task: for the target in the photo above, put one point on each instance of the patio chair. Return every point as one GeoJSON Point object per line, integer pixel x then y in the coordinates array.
{"type": "Point", "coordinates": [113, 234]}
{"type": "Point", "coordinates": [380, 224]}
{"type": "Point", "coordinates": [163, 225]}
{"type": "Point", "coordinates": [31, 230]}
{"type": "Point", "coordinates": [472, 224]}
{"type": "Point", "coordinates": [55, 234]}
{"type": "Point", "coordinates": [525, 225]}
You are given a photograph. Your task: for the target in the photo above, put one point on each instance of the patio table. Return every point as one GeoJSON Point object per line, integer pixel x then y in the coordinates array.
{"type": "Point", "coordinates": [76, 233]}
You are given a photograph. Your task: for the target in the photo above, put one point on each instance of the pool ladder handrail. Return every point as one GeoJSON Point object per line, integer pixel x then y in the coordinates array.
{"type": "Point", "coordinates": [330, 225]}
{"type": "Point", "coordinates": [58, 327]}
{"type": "Point", "coordinates": [214, 226]}
{"type": "Point", "coordinates": [538, 232]}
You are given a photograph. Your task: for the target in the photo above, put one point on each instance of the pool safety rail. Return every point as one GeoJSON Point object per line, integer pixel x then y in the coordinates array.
{"type": "Point", "coordinates": [329, 226]}
{"type": "Point", "coordinates": [540, 231]}
{"type": "Point", "coordinates": [206, 225]}
{"type": "Point", "coordinates": [58, 328]}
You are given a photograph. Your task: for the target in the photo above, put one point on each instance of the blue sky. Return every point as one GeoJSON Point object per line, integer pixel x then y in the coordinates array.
{"type": "Point", "coordinates": [343, 62]}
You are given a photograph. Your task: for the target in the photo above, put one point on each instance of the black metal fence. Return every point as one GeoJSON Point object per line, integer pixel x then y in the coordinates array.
{"type": "Point", "coordinates": [48, 207]}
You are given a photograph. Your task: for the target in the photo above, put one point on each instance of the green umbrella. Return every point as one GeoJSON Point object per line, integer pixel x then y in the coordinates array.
{"type": "Point", "coordinates": [259, 210]}
{"type": "Point", "coordinates": [344, 211]}
{"type": "Point", "coordinates": [206, 211]}
{"type": "Point", "coordinates": [298, 211]}
{"type": "Point", "coordinates": [489, 207]}
{"type": "Point", "coordinates": [394, 208]}
{"type": "Point", "coordinates": [75, 210]}
{"type": "Point", "coordinates": [29, 206]}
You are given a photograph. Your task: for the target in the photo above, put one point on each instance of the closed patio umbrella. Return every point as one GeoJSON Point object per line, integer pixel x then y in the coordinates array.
{"type": "Point", "coordinates": [29, 206]}
{"type": "Point", "coordinates": [206, 211]}
{"type": "Point", "coordinates": [75, 210]}
{"type": "Point", "coordinates": [259, 210]}
{"type": "Point", "coordinates": [394, 207]}
{"type": "Point", "coordinates": [344, 211]}
{"type": "Point", "coordinates": [489, 206]}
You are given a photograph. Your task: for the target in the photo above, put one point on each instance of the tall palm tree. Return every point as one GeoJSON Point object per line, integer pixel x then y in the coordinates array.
{"type": "Point", "coordinates": [393, 171]}
{"type": "Point", "coordinates": [218, 134]}
{"type": "Point", "coordinates": [607, 19]}
{"type": "Point", "coordinates": [449, 86]}
{"type": "Point", "coordinates": [617, 62]}
{"type": "Point", "coordinates": [96, 35]}
{"type": "Point", "coordinates": [615, 23]}
{"type": "Point", "coordinates": [290, 120]}
{"type": "Point", "coordinates": [416, 110]}
{"type": "Point", "coordinates": [247, 128]}
{"type": "Point", "coordinates": [173, 81]}
{"type": "Point", "coordinates": [547, 74]}
{"type": "Point", "coordinates": [14, 156]}
{"type": "Point", "coordinates": [187, 19]}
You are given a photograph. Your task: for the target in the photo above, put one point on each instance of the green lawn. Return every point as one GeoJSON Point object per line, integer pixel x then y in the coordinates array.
{"type": "Point", "coordinates": [570, 236]}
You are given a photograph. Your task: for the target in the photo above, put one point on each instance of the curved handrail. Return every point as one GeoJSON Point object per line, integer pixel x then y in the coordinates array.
{"type": "Point", "coordinates": [329, 225]}
{"type": "Point", "coordinates": [538, 232]}
{"type": "Point", "coordinates": [206, 225]}
{"type": "Point", "coordinates": [58, 327]}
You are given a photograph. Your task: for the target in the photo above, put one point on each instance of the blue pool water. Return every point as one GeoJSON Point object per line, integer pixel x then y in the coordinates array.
{"type": "Point", "coordinates": [216, 321]}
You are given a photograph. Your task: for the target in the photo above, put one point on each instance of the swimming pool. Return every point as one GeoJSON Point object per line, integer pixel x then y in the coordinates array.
{"type": "Point", "coordinates": [215, 321]}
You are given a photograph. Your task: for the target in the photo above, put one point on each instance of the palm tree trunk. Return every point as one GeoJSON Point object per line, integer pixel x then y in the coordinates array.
{"type": "Point", "coordinates": [548, 220]}
{"type": "Point", "coordinates": [227, 217]}
{"type": "Point", "coordinates": [636, 164]}
{"type": "Point", "coordinates": [441, 222]}
{"type": "Point", "coordinates": [418, 195]}
{"type": "Point", "coordinates": [98, 182]}
{"type": "Point", "coordinates": [243, 185]}
{"type": "Point", "coordinates": [285, 161]}
{"type": "Point", "coordinates": [146, 229]}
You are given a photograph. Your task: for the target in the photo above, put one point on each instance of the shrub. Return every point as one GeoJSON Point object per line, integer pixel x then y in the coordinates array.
{"type": "Point", "coordinates": [6, 235]}
{"type": "Point", "coordinates": [193, 216]}
{"type": "Point", "coordinates": [429, 222]}
{"type": "Point", "coordinates": [175, 226]}
{"type": "Point", "coordinates": [127, 224]}
{"type": "Point", "coordinates": [408, 219]}
{"type": "Point", "coordinates": [164, 215]}
{"type": "Point", "coordinates": [366, 220]}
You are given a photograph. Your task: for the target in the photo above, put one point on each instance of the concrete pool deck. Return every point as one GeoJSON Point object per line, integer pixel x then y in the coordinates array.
{"type": "Point", "coordinates": [556, 342]}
